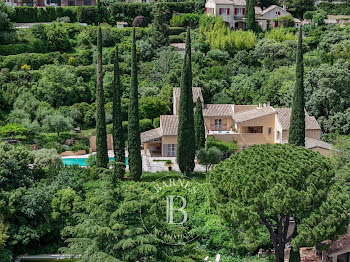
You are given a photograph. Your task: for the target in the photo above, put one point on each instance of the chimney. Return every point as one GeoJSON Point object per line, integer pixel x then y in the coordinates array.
{"type": "Point", "coordinates": [268, 104]}
{"type": "Point", "coordinates": [284, 7]}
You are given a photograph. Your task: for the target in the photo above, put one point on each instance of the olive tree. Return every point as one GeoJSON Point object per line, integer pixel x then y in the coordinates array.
{"type": "Point", "coordinates": [262, 189]}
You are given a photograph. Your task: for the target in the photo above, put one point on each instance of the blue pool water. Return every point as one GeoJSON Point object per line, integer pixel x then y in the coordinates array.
{"type": "Point", "coordinates": [82, 161]}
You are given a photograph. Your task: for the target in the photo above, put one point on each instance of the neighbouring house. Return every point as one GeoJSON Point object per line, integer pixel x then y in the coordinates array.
{"type": "Point", "coordinates": [122, 24]}
{"type": "Point", "coordinates": [341, 20]}
{"type": "Point", "coordinates": [43, 3]}
{"type": "Point", "coordinates": [246, 124]}
{"type": "Point", "coordinates": [233, 14]}
{"type": "Point", "coordinates": [339, 250]}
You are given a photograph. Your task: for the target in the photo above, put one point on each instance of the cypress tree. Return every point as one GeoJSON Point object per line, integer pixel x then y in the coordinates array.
{"type": "Point", "coordinates": [134, 140]}
{"type": "Point", "coordinates": [199, 130]}
{"type": "Point", "coordinates": [101, 132]}
{"type": "Point", "coordinates": [160, 24]}
{"type": "Point", "coordinates": [250, 13]}
{"type": "Point", "coordinates": [99, 11]}
{"type": "Point", "coordinates": [186, 143]}
{"type": "Point", "coordinates": [297, 120]}
{"type": "Point", "coordinates": [118, 135]}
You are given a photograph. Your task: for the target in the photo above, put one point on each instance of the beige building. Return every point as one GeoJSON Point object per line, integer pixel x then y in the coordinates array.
{"type": "Point", "coordinates": [233, 13]}
{"type": "Point", "coordinates": [246, 124]}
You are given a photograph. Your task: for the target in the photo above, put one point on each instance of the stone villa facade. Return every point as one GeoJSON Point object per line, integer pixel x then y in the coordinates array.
{"type": "Point", "coordinates": [233, 13]}
{"type": "Point", "coordinates": [246, 124]}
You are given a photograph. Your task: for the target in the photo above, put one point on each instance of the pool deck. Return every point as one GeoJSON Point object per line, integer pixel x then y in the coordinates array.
{"type": "Point", "coordinates": [110, 154]}
{"type": "Point", "coordinates": [148, 163]}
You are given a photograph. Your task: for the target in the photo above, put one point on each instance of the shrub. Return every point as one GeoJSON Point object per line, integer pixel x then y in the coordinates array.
{"type": "Point", "coordinates": [156, 122]}
{"type": "Point", "coordinates": [218, 55]}
{"type": "Point", "coordinates": [55, 145]}
{"type": "Point", "coordinates": [139, 21]}
{"type": "Point", "coordinates": [47, 157]}
{"type": "Point", "coordinates": [79, 146]}
{"type": "Point", "coordinates": [222, 146]}
{"type": "Point", "coordinates": [145, 125]}
{"type": "Point", "coordinates": [91, 160]}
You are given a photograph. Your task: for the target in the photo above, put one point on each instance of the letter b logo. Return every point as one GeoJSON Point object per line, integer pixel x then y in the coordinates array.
{"type": "Point", "coordinates": [170, 210]}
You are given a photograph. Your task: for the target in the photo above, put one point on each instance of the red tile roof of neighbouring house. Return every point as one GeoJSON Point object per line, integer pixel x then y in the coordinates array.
{"type": "Point", "coordinates": [284, 115]}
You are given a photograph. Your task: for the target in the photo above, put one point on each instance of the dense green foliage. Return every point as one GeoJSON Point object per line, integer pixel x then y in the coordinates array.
{"type": "Point", "coordinates": [186, 132]}
{"type": "Point", "coordinates": [260, 189]}
{"type": "Point", "coordinates": [134, 140]}
{"type": "Point", "coordinates": [101, 132]}
{"type": "Point", "coordinates": [297, 119]}
{"type": "Point", "coordinates": [48, 82]}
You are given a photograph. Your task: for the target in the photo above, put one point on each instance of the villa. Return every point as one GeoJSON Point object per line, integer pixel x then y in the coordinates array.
{"type": "Point", "coordinates": [246, 124]}
{"type": "Point", "coordinates": [233, 13]}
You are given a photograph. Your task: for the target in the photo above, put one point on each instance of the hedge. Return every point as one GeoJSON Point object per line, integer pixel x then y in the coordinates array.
{"type": "Point", "coordinates": [176, 30]}
{"type": "Point", "coordinates": [111, 14]}
{"type": "Point", "coordinates": [34, 60]}
{"type": "Point", "coordinates": [335, 9]}
{"type": "Point", "coordinates": [34, 46]}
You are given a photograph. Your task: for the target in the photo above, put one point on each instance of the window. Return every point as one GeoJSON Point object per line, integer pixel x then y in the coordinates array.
{"type": "Point", "coordinates": [254, 130]}
{"type": "Point", "coordinates": [222, 11]}
{"type": "Point", "coordinates": [87, 2]}
{"type": "Point", "coordinates": [270, 130]}
{"type": "Point", "coordinates": [218, 124]}
{"type": "Point", "coordinates": [171, 149]}
{"type": "Point", "coordinates": [239, 11]}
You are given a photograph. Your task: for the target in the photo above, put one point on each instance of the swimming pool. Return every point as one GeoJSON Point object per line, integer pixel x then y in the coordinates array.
{"type": "Point", "coordinates": [82, 161]}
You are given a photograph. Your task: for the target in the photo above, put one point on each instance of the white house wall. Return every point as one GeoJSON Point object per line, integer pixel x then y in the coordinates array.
{"type": "Point", "coordinates": [271, 15]}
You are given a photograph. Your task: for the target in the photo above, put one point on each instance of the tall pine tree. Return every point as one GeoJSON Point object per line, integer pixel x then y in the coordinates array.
{"type": "Point", "coordinates": [199, 129]}
{"type": "Point", "coordinates": [101, 132]}
{"type": "Point", "coordinates": [297, 121]}
{"type": "Point", "coordinates": [186, 143]}
{"type": "Point", "coordinates": [134, 140]}
{"type": "Point", "coordinates": [118, 134]}
{"type": "Point", "coordinates": [250, 13]}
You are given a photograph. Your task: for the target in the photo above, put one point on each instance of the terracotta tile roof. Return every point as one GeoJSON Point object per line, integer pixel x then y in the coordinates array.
{"type": "Point", "coordinates": [218, 110]}
{"type": "Point", "coordinates": [312, 143]}
{"type": "Point", "coordinates": [284, 119]}
{"type": "Point", "coordinates": [151, 135]}
{"type": "Point", "coordinates": [253, 113]}
{"type": "Point", "coordinates": [342, 244]}
{"type": "Point", "coordinates": [168, 124]}
{"type": "Point", "coordinates": [271, 7]}
{"type": "Point", "coordinates": [196, 91]}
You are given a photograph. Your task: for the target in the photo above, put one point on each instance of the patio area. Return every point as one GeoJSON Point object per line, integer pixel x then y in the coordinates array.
{"type": "Point", "coordinates": [157, 163]}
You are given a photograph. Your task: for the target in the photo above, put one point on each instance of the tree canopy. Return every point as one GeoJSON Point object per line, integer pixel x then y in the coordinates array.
{"type": "Point", "coordinates": [268, 185]}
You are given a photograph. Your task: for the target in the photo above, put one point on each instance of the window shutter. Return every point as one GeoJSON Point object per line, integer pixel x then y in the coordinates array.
{"type": "Point", "coordinates": [165, 150]}
{"type": "Point", "coordinates": [205, 9]}
{"type": "Point", "coordinates": [243, 11]}
{"type": "Point", "coordinates": [220, 11]}
{"type": "Point", "coordinates": [236, 11]}
{"type": "Point", "coordinates": [228, 11]}
{"type": "Point", "coordinates": [279, 13]}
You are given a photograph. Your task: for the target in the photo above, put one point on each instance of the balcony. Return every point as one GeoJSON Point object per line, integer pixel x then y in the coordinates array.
{"type": "Point", "coordinates": [223, 132]}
